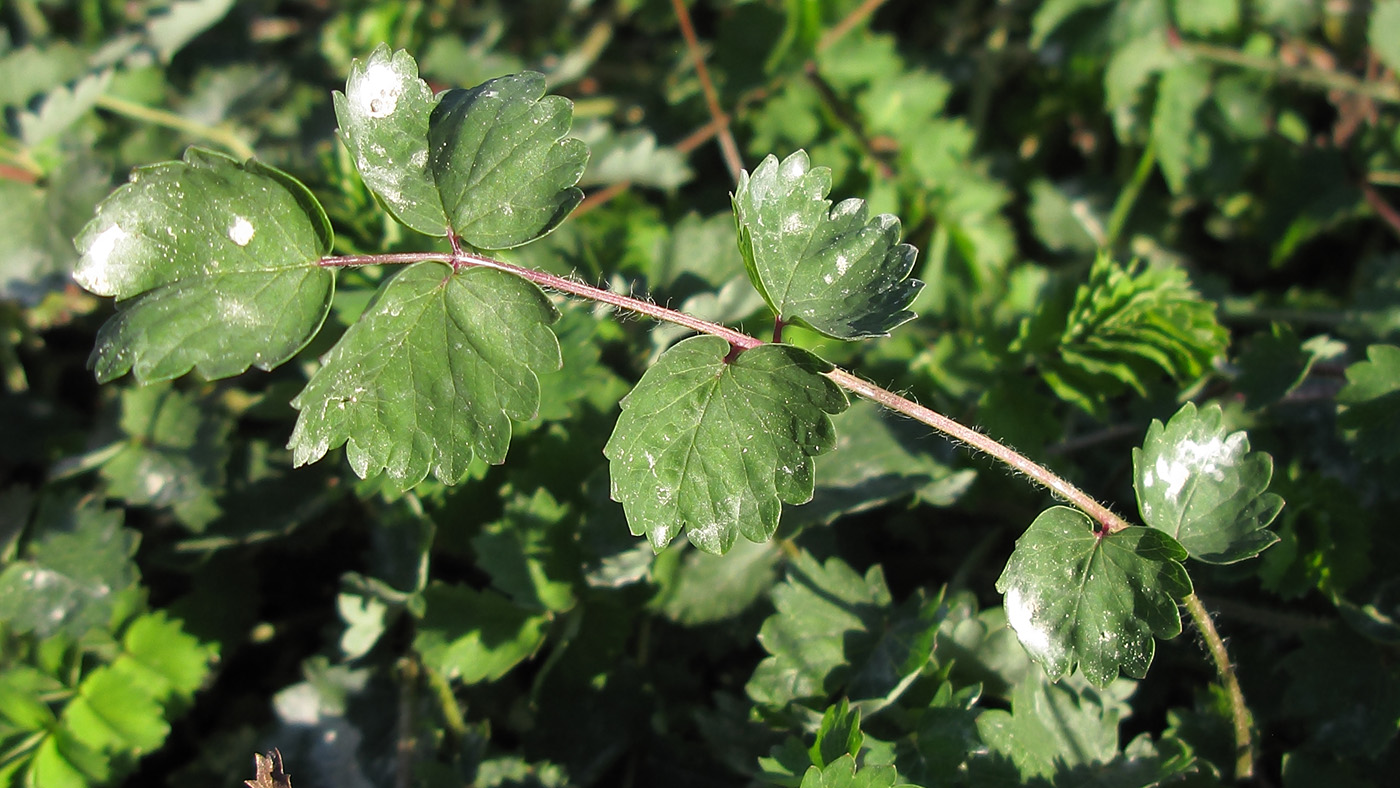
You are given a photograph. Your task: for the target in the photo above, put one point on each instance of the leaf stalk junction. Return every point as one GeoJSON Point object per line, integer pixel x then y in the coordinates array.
{"type": "Point", "coordinates": [1107, 521]}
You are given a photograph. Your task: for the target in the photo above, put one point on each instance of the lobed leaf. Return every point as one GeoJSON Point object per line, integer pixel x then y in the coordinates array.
{"type": "Point", "coordinates": [219, 261]}
{"type": "Point", "coordinates": [844, 773]}
{"type": "Point", "coordinates": [76, 568]}
{"type": "Point", "coordinates": [826, 268]}
{"type": "Point", "coordinates": [430, 376]}
{"type": "Point", "coordinates": [1372, 397]}
{"type": "Point", "coordinates": [503, 168]}
{"type": "Point", "coordinates": [1205, 487]}
{"type": "Point", "coordinates": [1123, 327]}
{"type": "Point", "coordinates": [1077, 597]}
{"type": "Point", "coordinates": [383, 116]}
{"type": "Point", "coordinates": [715, 447]}
{"type": "Point", "coordinates": [174, 455]}
{"type": "Point", "coordinates": [475, 635]}
{"type": "Point", "coordinates": [836, 632]}
{"type": "Point", "coordinates": [1054, 727]}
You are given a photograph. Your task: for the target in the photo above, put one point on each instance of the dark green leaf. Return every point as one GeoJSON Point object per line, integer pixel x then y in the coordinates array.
{"type": "Point", "coordinates": [1077, 597]}
{"type": "Point", "coordinates": [76, 568]}
{"type": "Point", "coordinates": [1057, 726]}
{"type": "Point", "coordinates": [527, 553]}
{"type": "Point", "coordinates": [431, 375]}
{"type": "Point", "coordinates": [715, 447]}
{"type": "Point", "coordinates": [383, 117]}
{"type": "Point", "coordinates": [476, 636]}
{"type": "Point", "coordinates": [502, 165]}
{"type": "Point", "coordinates": [1121, 329]}
{"type": "Point", "coordinates": [835, 632]}
{"type": "Point", "coordinates": [1372, 400]}
{"type": "Point", "coordinates": [826, 268]}
{"type": "Point", "coordinates": [1205, 487]}
{"type": "Point", "coordinates": [174, 456]}
{"type": "Point", "coordinates": [708, 588]}
{"type": "Point", "coordinates": [220, 259]}
{"type": "Point", "coordinates": [38, 225]}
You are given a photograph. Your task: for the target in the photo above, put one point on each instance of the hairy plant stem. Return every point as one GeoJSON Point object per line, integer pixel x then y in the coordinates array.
{"type": "Point", "coordinates": [1239, 710]}
{"type": "Point", "coordinates": [1108, 521]}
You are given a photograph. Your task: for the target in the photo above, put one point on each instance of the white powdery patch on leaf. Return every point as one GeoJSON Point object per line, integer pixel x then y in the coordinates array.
{"type": "Point", "coordinates": [377, 93]}
{"type": "Point", "coordinates": [241, 232]}
{"type": "Point", "coordinates": [93, 273]}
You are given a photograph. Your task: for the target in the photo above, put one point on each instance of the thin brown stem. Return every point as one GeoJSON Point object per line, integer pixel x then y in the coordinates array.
{"type": "Point", "coordinates": [1381, 206]}
{"type": "Point", "coordinates": [1239, 710]}
{"type": "Point", "coordinates": [727, 146]}
{"type": "Point", "coordinates": [1107, 520]}
{"type": "Point", "coordinates": [838, 31]}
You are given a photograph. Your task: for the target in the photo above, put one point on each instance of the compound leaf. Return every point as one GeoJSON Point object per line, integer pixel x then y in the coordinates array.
{"type": "Point", "coordinates": [503, 168]}
{"type": "Point", "coordinates": [1076, 596]}
{"type": "Point", "coordinates": [715, 447]}
{"type": "Point", "coordinates": [221, 261]}
{"type": "Point", "coordinates": [430, 375]}
{"type": "Point", "coordinates": [1204, 487]}
{"type": "Point", "coordinates": [383, 116]}
{"type": "Point", "coordinates": [830, 269]}
{"type": "Point", "coordinates": [837, 632]}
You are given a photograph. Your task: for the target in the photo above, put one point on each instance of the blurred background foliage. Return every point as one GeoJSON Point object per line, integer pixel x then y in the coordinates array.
{"type": "Point", "coordinates": [175, 597]}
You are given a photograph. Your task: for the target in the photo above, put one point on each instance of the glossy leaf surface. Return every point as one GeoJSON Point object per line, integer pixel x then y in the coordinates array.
{"type": "Point", "coordinates": [829, 268]}
{"type": "Point", "coordinates": [844, 773]}
{"type": "Point", "coordinates": [504, 170]}
{"type": "Point", "coordinates": [1074, 598]}
{"type": "Point", "coordinates": [431, 375]}
{"type": "Point", "coordinates": [715, 448]}
{"type": "Point", "coordinates": [216, 263]}
{"type": "Point", "coordinates": [1205, 487]}
{"type": "Point", "coordinates": [383, 116]}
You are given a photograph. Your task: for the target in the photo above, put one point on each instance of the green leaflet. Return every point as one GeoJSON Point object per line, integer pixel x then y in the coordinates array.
{"type": "Point", "coordinates": [835, 632]}
{"type": "Point", "coordinates": [826, 268]}
{"type": "Point", "coordinates": [715, 447]}
{"type": "Point", "coordinates": [1076, 598]}
{"type": "Point", "coordinates": [76, 569]}
{"type": "Point", "coordinates": [503, 168]}
{"type": "Point", "coordinates": [1204, 487]}
{"type": "Point", "coordinates": [175, 454]}
{"type": "Point", "coordinates": [431, 375]}
{"type": "Point", "coordinates": [844, 773]}
{"type": "Point", "coordinates": [475, 635]}
{"type": "Point", "coordinates": [1124, 327]}
{"type": "Point", "coordinates": [383, 116]}
{"type": "Point", "coordinates": [1372, 400]}
{"type": "Point", "coordinates": [219, 261]}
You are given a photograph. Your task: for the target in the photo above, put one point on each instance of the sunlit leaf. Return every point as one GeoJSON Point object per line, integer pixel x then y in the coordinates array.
{"type": "Point", "coordinates": [216, 263]}
{"type": "Point", "coordinates": [476, 636]}
{"type": "Point", "coordinates": [1054, 726]}
{"type": "Point", "coordinates": [1205, 487]}
{"type": "Point", "coordinates": [829, 268]}
{"type": "Point", "coordinates": [383, 117]}
{"type": "Point", "coordinates": [431, 375]}
{"type": "Point", "coordinates": [1075, 596]}
{"type": "Point", "coordinates": [501, 163]}
{"type": "Point", "coordinates": [714, 447]}
{"type": "Point", "coordinates": [844, 773]}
